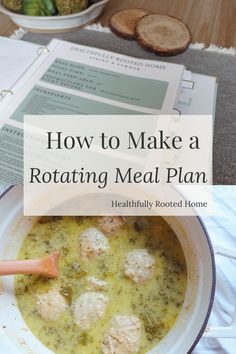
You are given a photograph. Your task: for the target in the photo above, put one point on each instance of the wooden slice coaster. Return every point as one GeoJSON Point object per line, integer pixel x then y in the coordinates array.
{"type": "Point", "coordinates": [165, 35]}
{"type": "Point", "coordinates": [123, 23]}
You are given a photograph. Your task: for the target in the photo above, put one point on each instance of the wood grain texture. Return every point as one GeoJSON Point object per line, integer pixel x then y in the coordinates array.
{"type": "Point", "coordinates": [7, 27]}
{"type": "Point", "coordinates": [124, 22]}
{"type": "Point", "coordinates": [163, 34]}
{"type": "Point", "coordinates": [210, 21]}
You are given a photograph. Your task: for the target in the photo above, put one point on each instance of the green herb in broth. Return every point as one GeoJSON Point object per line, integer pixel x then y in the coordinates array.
{"type": "Point", "coordinates": [157, 303]}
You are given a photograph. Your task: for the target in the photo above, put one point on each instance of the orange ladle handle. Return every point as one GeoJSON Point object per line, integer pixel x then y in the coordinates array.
{"type": "Point", "coordinates": [47, 266]}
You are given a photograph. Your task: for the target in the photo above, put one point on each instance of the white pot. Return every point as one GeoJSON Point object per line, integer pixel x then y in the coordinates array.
{"type": "Point", "coordinates": [56, 23]}
{"type": "Point", "coordinates": [15, 337]}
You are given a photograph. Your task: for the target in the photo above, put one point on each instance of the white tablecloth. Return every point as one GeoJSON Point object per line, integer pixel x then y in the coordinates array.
{"type": "Point", "coordinates": [222, 231]}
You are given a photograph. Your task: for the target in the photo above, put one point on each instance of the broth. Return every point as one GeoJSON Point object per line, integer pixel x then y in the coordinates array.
{"type": "Point", "coordinates": [156, 303]}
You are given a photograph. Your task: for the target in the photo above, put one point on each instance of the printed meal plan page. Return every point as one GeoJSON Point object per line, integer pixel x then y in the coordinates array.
{"type": "Point", "coordinates": [75, 79]}
{"type": "Point", "coordinates": [72, 79]}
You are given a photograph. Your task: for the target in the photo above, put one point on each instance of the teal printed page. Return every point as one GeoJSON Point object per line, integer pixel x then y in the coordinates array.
{"type": "Point", "coordinates": [107, 84]}
{"type": "Point", "coordinates": [11, 155]}
{"type": "Point", "coordinates": [42, 100]}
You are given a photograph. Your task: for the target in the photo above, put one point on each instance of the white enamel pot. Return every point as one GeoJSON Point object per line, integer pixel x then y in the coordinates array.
{"type": "Point", "coordinates": [15, 336]}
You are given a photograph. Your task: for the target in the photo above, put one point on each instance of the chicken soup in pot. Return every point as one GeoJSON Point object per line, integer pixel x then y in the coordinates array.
{"type": "Point", "coordinates": [121, 286]}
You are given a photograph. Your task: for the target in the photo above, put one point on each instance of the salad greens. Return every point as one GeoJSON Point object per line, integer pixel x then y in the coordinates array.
{"type": "Point", "coordinates": [39, 7]}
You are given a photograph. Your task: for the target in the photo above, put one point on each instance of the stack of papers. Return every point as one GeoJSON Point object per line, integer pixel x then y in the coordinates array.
{"type": "Point", "coordinates": [71, 79]}
{"type": "Point", "coordinates": [197, 94]}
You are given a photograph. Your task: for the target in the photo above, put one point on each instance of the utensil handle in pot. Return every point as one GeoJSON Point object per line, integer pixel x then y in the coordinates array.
{"type": "Point", "coordinates": [227, 331]}
{"type": "Point", "coordinates": [47, 266]}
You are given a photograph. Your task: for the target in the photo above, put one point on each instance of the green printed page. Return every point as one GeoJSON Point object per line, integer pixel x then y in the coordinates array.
{"type": "Point", "coordinates": [42, 101]}
{"type": "Point", "coordinates": [107, 84]}
{"type": "Point", "coordinates": [11, 155]}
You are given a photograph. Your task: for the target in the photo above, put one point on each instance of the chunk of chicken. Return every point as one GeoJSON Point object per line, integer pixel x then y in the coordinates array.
{"type": "Point", "coordinates": [110, 224]}
{"type": "Point", "coordinates": [51, 305]}
{"type": "Point", "coordinates": [96, 284]}
{"type": "Point", "coordinates": [93, 244]}
{"type": "Point", "coordinates": [123, 336]}
{"type": "Point", "coordinates": [139, 265]}
{"type": "Point", "coordinates": [89, 308]}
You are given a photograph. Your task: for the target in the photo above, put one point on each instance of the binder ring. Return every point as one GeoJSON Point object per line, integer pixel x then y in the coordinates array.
{"type": "Point", "coordinates": [6, 93]}
{"type": "Point", "coordinates": [178, 112]}
{"type": "Point", "coordinates": [42, 50]}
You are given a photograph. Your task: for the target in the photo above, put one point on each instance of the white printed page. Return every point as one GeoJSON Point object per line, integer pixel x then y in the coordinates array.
{"type": "Point", "coordinates": [15, 58]}
{"type": "Point", "coordinates": [97, 81]}
{"type": "Point", "coordinates": [72, 79]}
